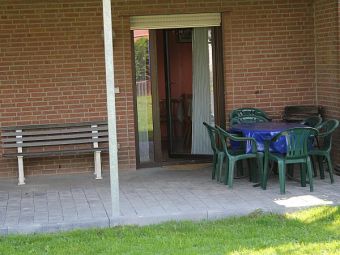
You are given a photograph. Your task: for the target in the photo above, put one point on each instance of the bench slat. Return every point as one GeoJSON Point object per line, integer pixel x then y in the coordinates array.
{"type": "Point", "coordinates": [55, 137]}
{"type": "Point", "coordinates": [57, 142]}
{"type": "Point", "coordinates": [58, 135]}
{"type": "Point", "coordinates": [46, 126]}
{"type": "Point", "coordinates": [55, 131]}
{"type": "Point", "coordinates": [52, 153]}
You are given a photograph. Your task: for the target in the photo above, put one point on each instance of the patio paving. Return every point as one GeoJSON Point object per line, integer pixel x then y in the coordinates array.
{"type": "Point", "coordinates": [147, 196]}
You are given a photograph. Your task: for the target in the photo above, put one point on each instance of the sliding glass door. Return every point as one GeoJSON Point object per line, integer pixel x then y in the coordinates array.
{"type": "Point", "coordinates": [143, 96]}
{"type": "Point", "coordinates": [176, 90]}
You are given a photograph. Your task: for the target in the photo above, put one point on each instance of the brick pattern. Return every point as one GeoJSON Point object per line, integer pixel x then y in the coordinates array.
{"type": "Point", "coordinates": [272, 55]}
{"type": "Point", "coordinates": [52, 63]}
{"type": "Point", "coordinates": [52, 71]}
{"type": "Point", "coordinates": [327, 24]}
{"type": "Point", "coordinates": [268, 48]}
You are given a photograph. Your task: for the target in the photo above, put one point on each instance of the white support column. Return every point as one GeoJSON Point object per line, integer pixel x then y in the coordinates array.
{"type": "Point", "coordinates": [96, 154]}
{"type": "Point", "coordinates": [111, 107]}
{"type": "Point", "coordinates": [21, 175]}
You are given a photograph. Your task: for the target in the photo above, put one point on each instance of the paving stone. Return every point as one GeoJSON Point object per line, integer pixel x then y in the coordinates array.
{"type": "Point", "coordinates": [149, 196]}
{"type": "Point", "coordinates": [93, 223]}
{"type": "Point", "coordinates": [3, 230]}
{"type": "Point", "coordinates": [24, 229]}
{"type": "Point", "coordinates": [50, 228]}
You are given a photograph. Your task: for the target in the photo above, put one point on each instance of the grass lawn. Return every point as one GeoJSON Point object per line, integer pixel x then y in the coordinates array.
{"type": "Point", "coordinates": [313, 231]}
{"type": "Point", "coordinates": [144, 106]}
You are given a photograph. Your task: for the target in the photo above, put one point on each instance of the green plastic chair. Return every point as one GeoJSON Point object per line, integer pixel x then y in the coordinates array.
{"type": "Point", "coordinates": [233, 156]}
{"type": "Point", "coordinates": [313, 121]}
{"type": "Point", "coordinates": [247, 119]}
{"type": "Point", "coordinates": [297, 140]}
{"type": "Point", "coordinates": [218, 156]}
{"type": "Point", "coordinates": [240, 112]}
{"type": "Point", "coordinates": [326, 130]}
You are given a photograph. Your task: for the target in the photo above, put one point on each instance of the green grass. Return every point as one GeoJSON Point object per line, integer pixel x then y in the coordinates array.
{"type": "Point", "coordinates": [313, 231]}
{"type": "Point", "coordinates": [144, 108]}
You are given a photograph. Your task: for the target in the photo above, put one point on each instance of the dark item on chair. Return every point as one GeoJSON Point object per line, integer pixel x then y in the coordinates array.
{"type": "Point", "coordinates": [241, 112]}
{"type": "Point", "coordinates": [313, 121]}
{"type": "Point", "coordinates": [235, 155]}
{"type": "Point", "coordinates": [297, 152]}
{"type": "Point", "coordinates": [218, 155]}
{"type": "Point", "coordinates": [297, 113]}
{"type": "Point", "coordinates": [247, 119]}
{"type": "Point", "coordinates": [324, 137]}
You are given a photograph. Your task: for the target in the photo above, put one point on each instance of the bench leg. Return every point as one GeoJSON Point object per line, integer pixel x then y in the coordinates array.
{"type": "Point", "coordinates": [98, 165]}
{"type": "Point", "coordinates": [21, 170]}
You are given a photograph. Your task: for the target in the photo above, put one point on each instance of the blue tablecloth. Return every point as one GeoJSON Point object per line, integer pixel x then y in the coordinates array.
{"type": "Point", "coordinates": [264, 131]}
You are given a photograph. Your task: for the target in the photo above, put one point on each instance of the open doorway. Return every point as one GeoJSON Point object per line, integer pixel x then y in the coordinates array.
{"type": "Point", "coordinates": [175, 91]}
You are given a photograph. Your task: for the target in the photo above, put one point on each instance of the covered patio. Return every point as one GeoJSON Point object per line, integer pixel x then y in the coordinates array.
{"type": "Point", "coordinates": [71, 62]}
{"type": "Point", "coordinates": [54, 203]}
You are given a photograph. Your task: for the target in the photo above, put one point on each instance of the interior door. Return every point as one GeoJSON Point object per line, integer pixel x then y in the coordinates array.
{"type": "Point", "coordinates": [179, 90]}
{"type": "Point", "coordinates": [190, 80]}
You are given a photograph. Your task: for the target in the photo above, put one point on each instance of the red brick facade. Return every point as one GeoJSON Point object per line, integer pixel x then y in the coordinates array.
{"type": "Point", "coordinates": [52, 70]}
{"type": "Point", "coordinates": [52, 63]}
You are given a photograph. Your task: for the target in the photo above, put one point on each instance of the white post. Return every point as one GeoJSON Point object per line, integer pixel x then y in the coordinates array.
{"type": "Point", "coordinates": [97, 156]}
{"type": "Point", "coordinates": [111, 107]}
{"type": "Point", "coordinates": [21, 175]}
{"type": "Point", "coordinates": [98, 165]}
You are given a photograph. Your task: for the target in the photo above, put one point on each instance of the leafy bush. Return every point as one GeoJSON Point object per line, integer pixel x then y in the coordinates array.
{"type": "Point", "coordinates": [142, 58]}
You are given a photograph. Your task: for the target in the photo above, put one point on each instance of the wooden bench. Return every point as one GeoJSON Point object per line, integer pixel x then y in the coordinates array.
{"type": "Point", "coordinates": [297, 113]}
{"type": "Point", "coordinates": [55, 140]}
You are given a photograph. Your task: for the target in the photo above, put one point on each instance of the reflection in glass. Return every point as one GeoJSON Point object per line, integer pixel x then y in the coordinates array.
{"type": "Point", "coordinates": [143, 93]}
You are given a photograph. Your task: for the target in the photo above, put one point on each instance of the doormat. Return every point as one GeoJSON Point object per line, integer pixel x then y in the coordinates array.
{"type": "Point", "coordinates": [188, 166]}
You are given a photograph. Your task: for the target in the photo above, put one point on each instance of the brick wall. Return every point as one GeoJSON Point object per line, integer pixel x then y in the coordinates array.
{"type": "Point", "coordinates": [270, 56]}
{"type": "Point", "coordinates": [52, 64]}
{"type": "Point", "coordinates": [327, 65]}
{"type": "Point", "coordinates": [52, 71]}
{"type": "Point", "coordinates": [268, 48]}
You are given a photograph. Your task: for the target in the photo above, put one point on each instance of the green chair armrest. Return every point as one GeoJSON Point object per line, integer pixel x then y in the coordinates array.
{"type": "Point", "coordinates": [245, 139]}
{"type": "Point", "coordinates": [323, 134]}
{"type": "Point", "coordinates": [232, 137]}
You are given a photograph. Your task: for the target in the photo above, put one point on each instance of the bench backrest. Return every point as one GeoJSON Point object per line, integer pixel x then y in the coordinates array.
{"type": "Point", "coordinates": [54, 135]}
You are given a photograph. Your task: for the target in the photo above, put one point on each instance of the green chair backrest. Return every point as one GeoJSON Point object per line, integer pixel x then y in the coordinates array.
{"type": "Point", "coordinates": [248, 112]}
{"type": "Point", "coordinates": [212, 131]}
{"type": "Point", "coordinates": [313, 121]}
{"type": "Point", "coordinates": [224, 137]}
{"type": "Point", "coordinates": [326, 130]}
{"type": "Point", "coordinates": [247, 119]}
{"type": "Point", "coordinates": [297, 140]}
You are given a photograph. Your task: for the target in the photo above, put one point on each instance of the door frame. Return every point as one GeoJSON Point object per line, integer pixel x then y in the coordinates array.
{"type": "Point", "coordinates": [218, 76]}
{"type": "Point", "coordinates": [157, 139]}
{"type": "Point", "coordinates": [154, 98]}
{"type": "Point", "coordinates": [219, 89]}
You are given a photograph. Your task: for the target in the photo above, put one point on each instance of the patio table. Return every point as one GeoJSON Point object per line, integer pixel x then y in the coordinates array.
{"type": "Point", "coordinates": [264, 131]}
